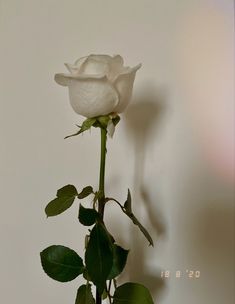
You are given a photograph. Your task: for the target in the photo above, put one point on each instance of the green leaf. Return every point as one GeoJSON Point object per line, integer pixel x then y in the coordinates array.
{"type": "Point", "coordinates": [85, 192]}
{"type": "Point", "coordinates": [64, 200]}
{"type": "Point", "coordinates": [87, 124]}
{"type": "Point", "coordinates": [128, 212]}
{"type": "Point", "coordinates": [99, 256]}
{"type": "Point", "coordinates": [67, 191]}
{"type": "Point", "coordinates": [84, 295]}
{"type": "Point", "coordinates": [132, 293]}
{"type": "Point", "coordinates": [119, 261]}
{"type": "Point", "coordinates": [61, 263]}
{"type": "Point", "coordinates": [87, 216]}
{"type": "Point", "coordinates": [58, 205]}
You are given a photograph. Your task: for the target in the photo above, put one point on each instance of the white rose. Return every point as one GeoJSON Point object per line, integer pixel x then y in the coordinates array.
{"type": "Point", "coordinates": [98, 84]}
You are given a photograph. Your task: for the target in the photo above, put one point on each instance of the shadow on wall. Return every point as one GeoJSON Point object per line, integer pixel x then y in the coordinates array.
{"type": "Point", "coordinates": [211, 244]}
{"type": "Point", "coordinates": [143, 117]}
{"type": "Point", "coordinates": [206, 234]}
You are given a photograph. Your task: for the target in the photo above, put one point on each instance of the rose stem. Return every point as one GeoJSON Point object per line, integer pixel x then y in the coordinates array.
{"type": "Point", "coordinates": [101, 200]}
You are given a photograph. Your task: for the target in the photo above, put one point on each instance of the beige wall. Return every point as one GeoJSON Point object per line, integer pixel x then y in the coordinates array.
{"type": "Point", "coordinates": [173, 148]}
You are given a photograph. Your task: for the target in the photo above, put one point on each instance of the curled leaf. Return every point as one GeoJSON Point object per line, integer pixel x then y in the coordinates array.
{"type": "Point", "coordinates": [128, 211]}
{"type": "Point", "coordinates": [127, 204]}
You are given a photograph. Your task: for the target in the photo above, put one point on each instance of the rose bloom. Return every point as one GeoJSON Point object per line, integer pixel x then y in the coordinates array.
{"type": "Point", "coordinates": [98, 84]}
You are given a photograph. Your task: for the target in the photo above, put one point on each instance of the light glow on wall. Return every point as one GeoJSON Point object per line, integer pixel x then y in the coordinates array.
{"type": "Point", "coordinates": [206, 65]}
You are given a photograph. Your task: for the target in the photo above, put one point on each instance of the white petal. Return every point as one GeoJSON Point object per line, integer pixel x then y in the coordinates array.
{"type": "Point", "coordinates": [63, 79]}
{"type": "Point", "coordinates": [118, 59]}
{"type": "Point", "coordinates": [80, 61]}
{"type": "Point", "coordinates": [115, 68]}
{"type": "Point", "coordinates": [124, 85]}
{"type": "Point", "coordinates": [92, 97]}
{"type": "Point", "coordinates": [100, 58]}
{"type": "Point", "coordinates": [73, 69]}
{"type": "Point", "coordinates": [96, 64]}
{"type": "Point", "coordinates": [104, 64]}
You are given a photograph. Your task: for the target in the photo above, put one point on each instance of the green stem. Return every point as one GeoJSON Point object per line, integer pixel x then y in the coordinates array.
{"type": "Point", "coordinates": [101, 200]}
{"type": "Point", "coordinates": [102, 172]}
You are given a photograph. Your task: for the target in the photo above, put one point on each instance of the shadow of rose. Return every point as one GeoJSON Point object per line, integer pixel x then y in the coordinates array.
{"type": "Point", "coordinates": [143, 119]}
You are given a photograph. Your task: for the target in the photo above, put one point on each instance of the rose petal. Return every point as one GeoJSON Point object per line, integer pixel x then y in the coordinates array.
{"type": "Point", "coordinates": [98, 84]}
{"type": "Point", "coordinates": [63, 79]}
{"type": "Point", "coordinates": [118, 59]}
{"type": "Point", "coordinates": [92, 97]}
{"type": "Point", "coordinates": [73, 69]}
{"type": "Point", "coordinates": [80, 61]}
{"type": "Point", "coordinates": [124, 86]}
{"type": "Point", "coordinates": [104, 64]}
{"type": "Point", "coordinates": [96, 64]}
{"type": "Point", "coordinates": [115, 68]}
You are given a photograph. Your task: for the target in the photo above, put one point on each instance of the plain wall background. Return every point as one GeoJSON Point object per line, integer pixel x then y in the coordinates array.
{"type": "Point", "coordinates": [173, 147]}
